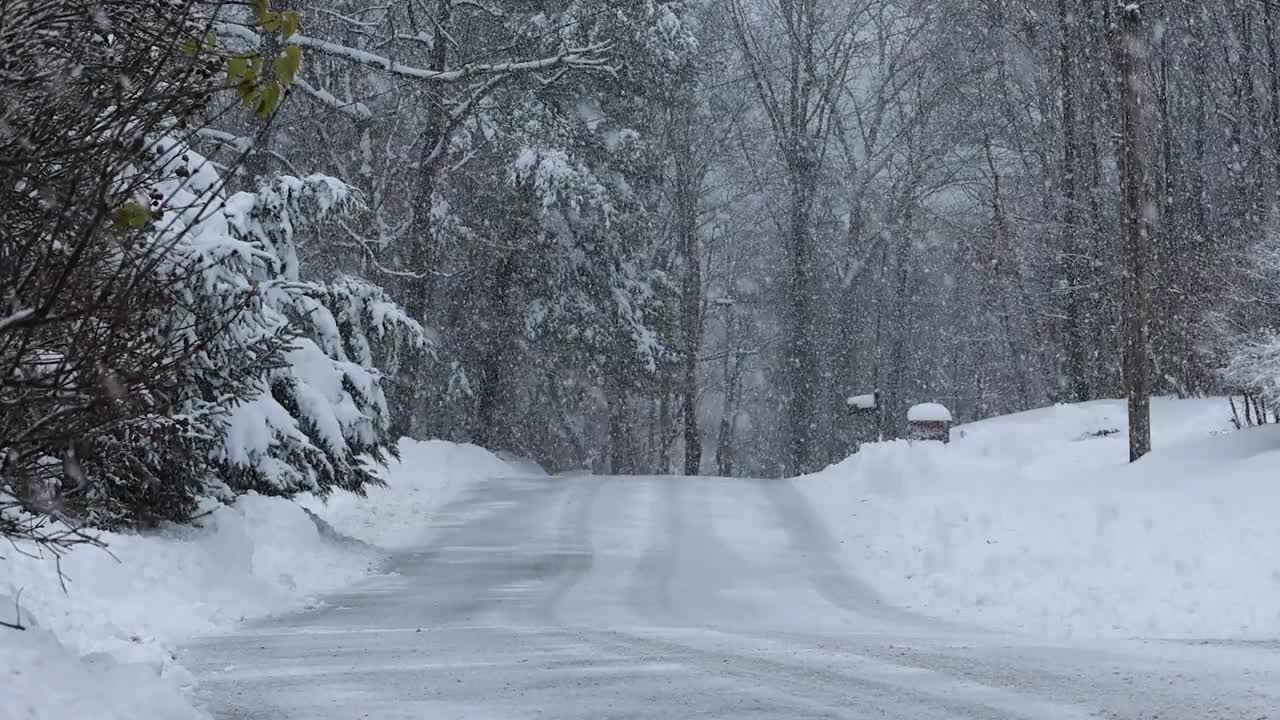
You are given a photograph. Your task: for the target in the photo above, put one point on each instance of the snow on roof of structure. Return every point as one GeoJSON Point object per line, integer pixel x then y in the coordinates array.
{"type": "Point", "coordinates": [928, 412]}
{"type": "Point", "coordinates": [862, 402]}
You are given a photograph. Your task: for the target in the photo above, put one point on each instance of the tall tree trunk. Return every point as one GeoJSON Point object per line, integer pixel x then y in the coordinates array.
{"type": "Point", "coordinates": [1071, 256]}
{"type": "Point", "coordinates": [895, 391]}
{"type": "Point", "coordinates": [1172, 332]}
{"type": "Point", "coordinates": [725, 447]}
{"type": "Point", "coordinates": [419, 257]}
{"type": "Point", "coordinates": [501, 331]}
{"type": "Point", "coordinates": [416, 259]}
{"type": "Point", "coordinates": [1135, 210]}
{"type": "Point", "coordinates": [1200, 137]}
{"type": "Point", "coordinates": [1004, 280]}
{"type": "Point", "coordinates": [1273, 73]}
{"type": "Point", "coordinates": [801, 360]}
{"type": "Point", "coordinates": [731, 372]}
{"type": "Point", "coordinates": [688, 191]}
{"type": "Point", "coordinates": [496, 365]}
{"type": "Point", "coordinates": [1257, 134]}
{"type": "Point", "coordinates": [666, 424]}
{"type": "Point", "coordinates": [621, 452]}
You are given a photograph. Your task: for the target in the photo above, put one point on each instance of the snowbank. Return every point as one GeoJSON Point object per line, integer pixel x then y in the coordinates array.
{"type": "Point", "coordinates": [102, 648]}
{"type": "Point", "coordinates": [428, 476]}
{"type": "Point", "coordinates": [105, 642]}
{"type": "Point", "coordinates": [44, 680]}
{"type": "Point", "coordinates": [1085, 436]}
{"type": "Point", "coordinates": [1035, 522]}
{"type": "Point", "coordinates": [153, 591]}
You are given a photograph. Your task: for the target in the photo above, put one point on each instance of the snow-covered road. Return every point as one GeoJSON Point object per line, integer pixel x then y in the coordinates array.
{"type": "Point", "coordinates": [592, 598]}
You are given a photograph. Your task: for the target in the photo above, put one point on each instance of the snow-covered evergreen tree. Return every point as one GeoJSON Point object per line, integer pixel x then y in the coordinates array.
{"type": "Point", "coordinates": [584, 319]}
{"type": "Point", "coordinates": [280, 388]}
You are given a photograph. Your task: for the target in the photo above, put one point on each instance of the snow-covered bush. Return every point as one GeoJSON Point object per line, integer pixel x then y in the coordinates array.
{"type": "Point", "coordinates": [84, 82]}
{"type": "Point", "coordinates": [279, 392]}
{"type": "Point", "coordinates": [1242, 334]}
{"type": "Point", "coordinates": [227, 371]}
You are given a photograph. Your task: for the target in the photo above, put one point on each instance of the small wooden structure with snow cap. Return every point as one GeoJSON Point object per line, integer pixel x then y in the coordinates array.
{"type": "Point", "coordinates": [929, 421]}
{"type": "Point", "coordinates": [862, 403]}
{"type": "Point", "coordinates": [865, 419]}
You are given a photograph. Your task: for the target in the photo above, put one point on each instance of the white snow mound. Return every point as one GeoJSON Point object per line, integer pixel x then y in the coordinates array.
{"type": "Point", "coordinates": [149, 592]}
{"type": "Point", "coordinates": [43, 680]}
{"type": "Point", "coordinates": [105, 643]}
{"type": "Point", "coordinates": [103, 648]}
{"type": "Point", "coordinates": [1035, 522]}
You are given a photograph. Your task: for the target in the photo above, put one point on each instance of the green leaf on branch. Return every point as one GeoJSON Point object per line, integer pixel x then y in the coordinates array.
{"type": "Point", "coordinates": [132, 215]}
{"type": "Point", "coordinates": [286, 66]}
{"type": "Point", "coordinates": [248, 87]}
{"type": "Point", "coordinates": [292, 22]}
{"type": "Point", "coordinates": [237, 67]}
{"type": "Point", "coordinates": [268, 99]}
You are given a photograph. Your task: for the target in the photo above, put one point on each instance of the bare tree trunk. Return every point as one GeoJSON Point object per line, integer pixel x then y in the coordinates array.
{"type": "Point", "coordinates": [416, 259]}
{"type": "Point", "coordinates": [492, 392]}
{"type": "Point", "coordinates": [1257, 133]}
{"type": "Point", "coordinates": [688, 191]}
{"type": "Point", "coordinates": [1137, 247]}
{"type": "Point", "coordinates": [1273, 73]}
{"type": "Point", "coordinates": [621, 451]}
{"type": "Point", "coordinates": [801, 360]}
{"type": "Point", "coordinates": [726, 448]}
{"type": "Point", "coordinates": [419, 257]}
{"type": "Point", "coordinates": [1005, 279]}
{"type": "Point", "coordinates": [731, 371]}
{"type": "Point", "coordinates": [1070, 254]}
{"type": "Point", "coordinates": [498, 363]}
{"type": "Point", "coordinates": [666, 424]}
{"type": "Point", "coordinates": [896, 400]}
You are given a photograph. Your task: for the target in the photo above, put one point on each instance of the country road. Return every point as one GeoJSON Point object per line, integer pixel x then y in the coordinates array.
{"type": "Point", "coordinates": [674, 598]}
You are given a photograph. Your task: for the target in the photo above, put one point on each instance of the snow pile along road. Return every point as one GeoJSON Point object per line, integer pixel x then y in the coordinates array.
{"type": "Point", "coordinates": [105, 643]}
{"type": "Point", "coordinates": [107, 639]}
{"type": "Point", "coordinates": [259, 556]}
{"type": "Point", "coordinates": [1035, 522]}
{"type": "Point", "coordinates": [44, 680]}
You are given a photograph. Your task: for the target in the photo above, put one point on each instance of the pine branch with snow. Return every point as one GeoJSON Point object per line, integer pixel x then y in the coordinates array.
{"type": "Point", "coordinates": [312, 415]}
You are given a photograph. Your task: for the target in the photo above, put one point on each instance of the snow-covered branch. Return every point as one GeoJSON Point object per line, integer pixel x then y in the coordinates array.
{"type": "Point", "coordinates": [593, 57]}
{"type": "Point", "coordinates": [353, 109]}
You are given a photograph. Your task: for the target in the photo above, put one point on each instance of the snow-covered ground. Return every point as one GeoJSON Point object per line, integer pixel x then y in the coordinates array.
{"type": "Point", "coordinates": [1035, 522]}
{"type": "Point", "coordinates": [1032, 522]}
{"type": "Point", "coordinates": [105, 643]}
{"type": "Point", "coordinates": [588, 598]}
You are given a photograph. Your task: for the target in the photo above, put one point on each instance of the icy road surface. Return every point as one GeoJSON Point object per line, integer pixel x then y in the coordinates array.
{"type": "Point", "coordinates": [676, 598]}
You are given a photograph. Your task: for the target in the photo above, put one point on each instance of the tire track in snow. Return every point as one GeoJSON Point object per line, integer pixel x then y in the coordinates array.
{"type": "Point", "coordinates": [649, 592]}
{"type": "Point", "coordinates": [575, 555]}
{"type": "Point", "coordinates": [886, 690]}
{"type": "Point", "coordinates": [810, 542]}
